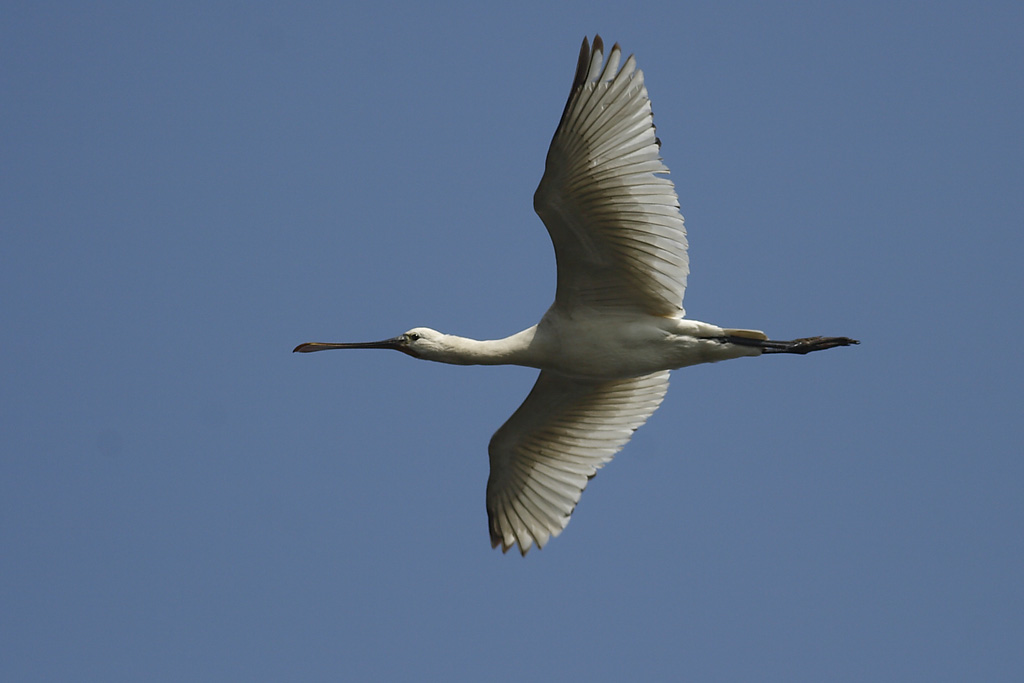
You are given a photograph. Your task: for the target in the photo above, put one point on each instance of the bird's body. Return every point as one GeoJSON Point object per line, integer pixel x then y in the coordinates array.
{"type": "Point", "coordinates": [616, 346]}
{"type": "Point", "coordinates": [616, 327]}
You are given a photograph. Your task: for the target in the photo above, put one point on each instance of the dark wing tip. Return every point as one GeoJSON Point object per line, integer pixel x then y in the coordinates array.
{"type": "Point", "coordinates": [583, 63]}
{"type": "Point", "coordinates": [495, 537]}
{"type": "Point", "coordinates": [582, 69]}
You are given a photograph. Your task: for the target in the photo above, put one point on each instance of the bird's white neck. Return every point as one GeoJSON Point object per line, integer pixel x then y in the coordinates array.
{"type": "Point", "coordinates": [513, 350]}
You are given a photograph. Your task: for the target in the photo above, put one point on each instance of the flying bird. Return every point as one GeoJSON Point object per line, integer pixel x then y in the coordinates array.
{"type": "Point", "coordinates": [616, 328]}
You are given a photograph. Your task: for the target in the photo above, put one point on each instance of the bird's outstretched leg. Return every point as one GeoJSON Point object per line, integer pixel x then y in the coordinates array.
{"type": "Point", "coordinates": [805, 345]}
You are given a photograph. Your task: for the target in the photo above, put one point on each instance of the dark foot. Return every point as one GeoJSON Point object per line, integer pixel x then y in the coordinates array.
{"type": "Point", "coordinates": [806, 345]}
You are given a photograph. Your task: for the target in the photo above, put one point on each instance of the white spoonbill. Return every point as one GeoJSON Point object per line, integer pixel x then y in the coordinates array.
{"type": "Point", "coordinates": [616, 327]}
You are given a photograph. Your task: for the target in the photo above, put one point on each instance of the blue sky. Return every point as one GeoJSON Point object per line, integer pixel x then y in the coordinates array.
{"type": "Point", "coordinates": [188, 190]}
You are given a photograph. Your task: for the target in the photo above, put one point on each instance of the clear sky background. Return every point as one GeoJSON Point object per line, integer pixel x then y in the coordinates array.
{"type": "Point", "coordinates": [188, 190]}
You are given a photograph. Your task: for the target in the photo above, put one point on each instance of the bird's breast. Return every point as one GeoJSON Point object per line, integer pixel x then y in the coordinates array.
{"type": "Point", "coordinates": [602, 348]}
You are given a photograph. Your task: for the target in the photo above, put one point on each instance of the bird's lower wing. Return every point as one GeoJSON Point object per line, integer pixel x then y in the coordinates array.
{"type": "Point", "coordinates": [544, 455]}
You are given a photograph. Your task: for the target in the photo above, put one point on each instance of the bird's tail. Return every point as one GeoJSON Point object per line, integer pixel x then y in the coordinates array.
{"type": "Point", "coordinates": [747, 334]}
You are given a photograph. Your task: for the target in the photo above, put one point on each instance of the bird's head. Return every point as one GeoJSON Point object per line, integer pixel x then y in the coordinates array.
{"type": "Point", "coordinates": [422, 342]}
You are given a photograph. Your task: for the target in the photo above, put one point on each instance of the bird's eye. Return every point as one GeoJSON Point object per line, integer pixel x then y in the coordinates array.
{"type": "Point", "coordinates": [412, 336]}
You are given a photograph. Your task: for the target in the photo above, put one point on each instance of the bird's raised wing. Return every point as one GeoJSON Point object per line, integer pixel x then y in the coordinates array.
{"type": "Point", "coordinates": [544, 455]}
{"type": "Point", "coordinates": [618, 234]}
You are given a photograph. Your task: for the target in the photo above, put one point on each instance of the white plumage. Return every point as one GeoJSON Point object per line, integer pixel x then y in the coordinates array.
{"type": "Point", "coordinates": [616, 326]}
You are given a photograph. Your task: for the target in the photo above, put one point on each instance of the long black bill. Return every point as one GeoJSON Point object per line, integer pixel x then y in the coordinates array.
{"type": "Point", "coordinates": [397, 343]}
{"type": "Point", "coordinates": [805, 345]}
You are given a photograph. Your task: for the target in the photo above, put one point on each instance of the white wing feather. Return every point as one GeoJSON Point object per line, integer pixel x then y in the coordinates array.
{"type": "Point", "coordinates": [544, 455]}
{"type": "Point", "coordinates": [618, 235]}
